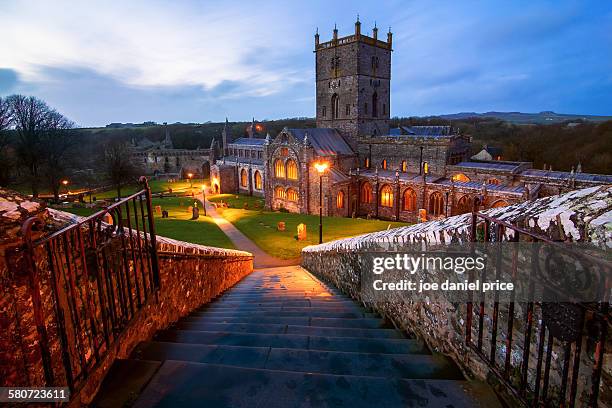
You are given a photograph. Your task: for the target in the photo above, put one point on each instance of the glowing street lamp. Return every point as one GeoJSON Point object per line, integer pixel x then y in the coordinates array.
{"type": "Point", "coordinates": [65, 184]}
{"type": "Point", "coordinates": [190, 176]}
{"type": "Point", "coordinates": [321, 167]}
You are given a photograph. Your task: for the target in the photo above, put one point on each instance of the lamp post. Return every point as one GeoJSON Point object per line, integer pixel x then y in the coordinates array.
{"type": "Point", "coordinates": [321, 167]}
{"type": "Point", "coordinates": [204, 197]}
{"type": "Point", "coordinates": [65, 184]}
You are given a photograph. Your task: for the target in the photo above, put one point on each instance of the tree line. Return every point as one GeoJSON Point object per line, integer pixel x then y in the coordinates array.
{"type": "Point", "coordinates": [41, 147]}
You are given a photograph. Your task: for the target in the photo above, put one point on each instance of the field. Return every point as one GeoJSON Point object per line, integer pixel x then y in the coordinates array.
{"type": "Point", "coordinates": [261, 226]}
{"type": "Point", "coordinates": [203, 231]}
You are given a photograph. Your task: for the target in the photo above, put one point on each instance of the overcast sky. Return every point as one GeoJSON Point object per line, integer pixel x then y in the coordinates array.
{"type": "Point", "coordinates": [194, 61]}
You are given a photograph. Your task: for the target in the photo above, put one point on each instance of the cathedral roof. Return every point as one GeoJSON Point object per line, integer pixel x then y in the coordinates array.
{"type": "Point", "coordinates": [565, 175]}
{"type": "Point", "coordinates": [422, 131]}
{"type": "Point", "coordinates": [326, 142]}
{"type": "Point", "coordinates": [246, 141]}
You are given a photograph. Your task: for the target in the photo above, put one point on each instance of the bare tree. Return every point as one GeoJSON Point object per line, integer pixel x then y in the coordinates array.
{"type": "Point", "coordinates": [30, 117]}
{"type": "Point", "coordinates": [118, 166]}
{"type": "Point", "coordinates": [58, 143]}
{"type": "Point", "coordinates": [6, 119]}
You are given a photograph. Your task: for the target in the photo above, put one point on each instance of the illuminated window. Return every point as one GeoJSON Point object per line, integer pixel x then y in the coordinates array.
{"type": "Point", "coordinates": [436, 204]}
{"type": "Point", "coordinates": [367, 162]}
{"type": "Point", "coordinates": [460, 177]}
{"type": "Point", "coordinates": [386, 196]}
{"type": "Point", "coordinates": [493, 181]}
{"type": "Point", "coordinates": [279, 192]}
{"type": "Point", "coordinates": [340, 199]}
{"type": "Point", "coordinates": [292, 195]}
{"type": "Point", "coordinates": [284, 152]}
{"type": "Point", "coordinates": [258, 181]}
{"type": "Point", "coordinates": [243, 178]}
{"type": "Point", "coordinates": [292, 170]}
{"type": "Point", "coordinates": [426, 167]}
{"type": "Point", "coordinates": [366, 193]}
{"type": "Point", "coordinates": [404, 166]}
{"type": "Point", "coordinates": [409, 200]}
{"type": "Point", "coordinates": [279, 168]}
{"type": "Point", "coordinates": [384, 164]}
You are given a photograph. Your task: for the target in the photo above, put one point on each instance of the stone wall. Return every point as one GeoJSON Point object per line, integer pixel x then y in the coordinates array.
{"type": "Point", "coordinates": [579, 216]}
{"type": "Point", "coordinates": [190, 275]}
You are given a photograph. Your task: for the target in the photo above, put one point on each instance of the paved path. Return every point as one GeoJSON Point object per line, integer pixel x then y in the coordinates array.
{"type": "Point", "coordinates": [282, 338]}
{"type": "Point", "coordinates": [242, 242]}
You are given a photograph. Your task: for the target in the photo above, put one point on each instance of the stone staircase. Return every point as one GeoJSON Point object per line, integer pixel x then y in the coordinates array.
{"type": "Point", "coordinates": [282, 338]}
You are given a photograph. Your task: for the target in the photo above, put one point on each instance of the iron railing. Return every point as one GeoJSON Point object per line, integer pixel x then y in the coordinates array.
{"type": "Point", "coordinates": [87, 283]}
{"type": "Point", "coordinates": [519, 340]}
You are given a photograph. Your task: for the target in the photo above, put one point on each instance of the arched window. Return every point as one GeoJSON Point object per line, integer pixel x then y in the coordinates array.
{"type": "Point", "coordinates": [258, 181]}
{"type": "Point", "coordinates": [340, 199]}
{"type": "Point", "coordinates": [409, 200]}
{"type": "Point", "coordinates": [292, 170]}
{"type": "Point", "coordinates": [460, 177]}
{"type": "Point", "coordinates": [436, 204]}
{"type": "Point", "coordinates": [335, 106]}
{"type": "Point", "coordinates": [244, 178]}
{"type": "Point", "coordinates": [279, 168]}
{"type": "Point", "coordinates": [464, 205]}
{"type": "Point", "coordinates": [367, 163]}
{"type": "Point", "coordinates": [366, 193]}
{"type": "Point", "coordinates": [279, 192]}
{"type": "Point", "coordinates": [404, 166]}
{"type": "Point", "coordinates": [375, 105]}
{"type": "Point", "coordinates": [384, 164]}
{"type": "Point", "coordinates": [292, 195]}
{"type": "Point", "coordinates": [499, 203]}
{"type": "Point", "coordinates": [493, 181]}
{"type": "Point", "coordinates": [386, 196]}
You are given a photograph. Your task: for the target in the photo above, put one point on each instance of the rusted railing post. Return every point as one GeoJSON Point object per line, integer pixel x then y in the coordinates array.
{"type": "Point", "coordinates": [34, 281]}
{"type": "Point", "coordinates": [153, 240]}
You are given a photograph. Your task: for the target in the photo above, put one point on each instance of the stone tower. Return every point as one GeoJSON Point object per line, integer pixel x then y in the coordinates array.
{"type": "Point", "coordinates": [226, 135]}
{"type": "Point", "coordinates": [353, 76]}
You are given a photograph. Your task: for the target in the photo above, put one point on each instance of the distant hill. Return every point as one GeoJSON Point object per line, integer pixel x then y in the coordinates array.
{"type": "Point", "coordinates": [519, 118]}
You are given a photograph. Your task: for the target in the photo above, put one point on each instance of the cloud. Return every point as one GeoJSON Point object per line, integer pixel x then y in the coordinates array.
{"type": "Point", "coordinates": [144, 43]}
{"type": "Point", "coordinates": [8, 80]}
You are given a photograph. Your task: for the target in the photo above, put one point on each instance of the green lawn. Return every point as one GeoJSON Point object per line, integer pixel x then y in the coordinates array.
{"type": "Point", "coordinates": [178, 226]}
{"type": "Point", "coordinates": [157, 186]}
{"type": "Point", "coordinates": [261, 227]}
{"type": "Point", "coordinates": [238, 201]}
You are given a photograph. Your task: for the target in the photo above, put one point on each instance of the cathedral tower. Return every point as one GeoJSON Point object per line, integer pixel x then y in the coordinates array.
{"type": "Point", "coordinates": [353, 76]}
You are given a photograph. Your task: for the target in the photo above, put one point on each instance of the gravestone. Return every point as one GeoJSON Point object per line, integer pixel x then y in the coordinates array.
{"type": "Point", "coordinates": [158, 209]}
{"type": "Point", "coordinates": [422, 215]}
{"type": "Point", "coordinates": [301, 232]}
{"type": "Point", "coordinates": [196, 213]}
{"type": "Point", "coordinates": [281, 226]}
{"type": "Point", "coordinates": [107, 218]}
{"type": "Point", "coordinates": [165, 214]}
{"type": "Point", "coordinates": [245, 206]}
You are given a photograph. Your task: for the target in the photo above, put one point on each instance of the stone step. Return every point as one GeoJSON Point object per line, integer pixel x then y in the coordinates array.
{"type": "Point", "coordinates": [295, 341]}
{"type": "Point", "coordinates": [124, 382]}
{"type": "Point", "coordinates": [274, 309]}
{"type": "Point", "coordinates": [364, 323]}
{"type": "Point", "coordinates": [415, 366]}
{"type": "Point", "coordinates": [290, 329]}
{"type": "Point", "coordinates": [191, 384]}
{"type": "Point", "coordinates": [308, 313]}
{"type": "Point", "coordinates": [303, 302]}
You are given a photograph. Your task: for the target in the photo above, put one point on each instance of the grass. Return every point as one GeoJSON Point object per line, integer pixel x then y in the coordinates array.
{"type": "Point", "coordinates": [261, 227]}
{"type": "Point", "coordinates": [178, 225]}
{"type": "Point", "coordinates": [157, 186]}
{"type": "Point", "coordinates": [238, 201]}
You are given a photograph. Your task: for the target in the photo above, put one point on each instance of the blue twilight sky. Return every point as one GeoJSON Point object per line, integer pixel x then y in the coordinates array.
{"type": "Point", "coordinates": [194, 61]}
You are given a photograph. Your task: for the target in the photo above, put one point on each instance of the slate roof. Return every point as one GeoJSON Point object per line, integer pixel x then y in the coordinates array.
{"type": "Point", "coordinates": [478, 185]}
{"type": "Point", "coordinates": [337, 176]}
{"type": "Point", "coordinates": [390, 174]}
{"type": "Point", "coordinates": [565, 175]}
{"type": "Point", "coordinates": [245, 141]}
{"type": "Point", "coordinates": [499, 166]}
{"type": "Point", "coordinates": [326, 142]}
{"type": "Point", "coordinates": [422, 131]}
{"type": "Point", "coordinates": [245, 160]}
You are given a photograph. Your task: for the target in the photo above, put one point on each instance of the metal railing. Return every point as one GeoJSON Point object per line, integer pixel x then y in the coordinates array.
{"type": "Point", "coordinates": [521, 341]}
{"type": "Point", "coordinates": [87, 283]}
